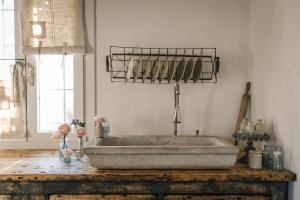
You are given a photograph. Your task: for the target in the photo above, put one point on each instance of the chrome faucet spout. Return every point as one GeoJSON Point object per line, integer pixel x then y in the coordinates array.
{"type": "Point", "coordinates": [177, 117]}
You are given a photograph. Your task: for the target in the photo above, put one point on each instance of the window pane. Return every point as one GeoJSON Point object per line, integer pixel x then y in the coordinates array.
{"type": "Point", "coordinates": [8, 4]}
{"type": "Point", "coordinates": [55, 91]}
{"type": "Point", "coordinates": [51, 103]}
{"type": "Point", "coordinates": [69, 70]}
{"type": "Point", "coordinates": [9, 33]}
{"type": "Point", "coordinates": [69, 111]}
{"type": "Point", "coordinates": [51, 71]}
{"type": "Point", "coordinates": [9, 51]}
{"type": "Point", "coordinates": [5, 70]}
{"type": "Point", "coordinates": [7, 29]}
{"type": "Point", "coordinates": [1, 29]}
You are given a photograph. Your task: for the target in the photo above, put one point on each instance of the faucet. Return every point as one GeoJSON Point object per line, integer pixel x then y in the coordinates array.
{"type": "Point", "coordinates": [177, 118]}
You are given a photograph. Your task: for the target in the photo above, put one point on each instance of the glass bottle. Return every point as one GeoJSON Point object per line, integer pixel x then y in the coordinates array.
{"type": "Point", "coordinates": [250, 128]}
{"type": "Point", "coordinates": [67, 155]}
{"type": "Point", "coordinates": [64, 151]}
{"type": "Point", "coordinates": [99, 131]}
{"type": "Point", "coordinates": [277, 159]}
{"type": "Point", "coordinates": [79, 153]}
{"type": "Point", "coordinates": [106, 127]}
{"type": "Point", "coordinates": [270, 160]}
{"type": "Point", "coordinates": [259, 127]}
{"type": "Point", "coordinates": [64, 143]}
{"type": "Point", "coordinates": [265, 155]}
{"type": "Point", "coordinates": [243, 124]}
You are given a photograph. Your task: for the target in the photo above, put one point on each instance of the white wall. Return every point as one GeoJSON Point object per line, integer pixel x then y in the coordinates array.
{"type": "Point", "coordinates": [275, 47]}
{"type": "Point", "coordinates": [148, 109]}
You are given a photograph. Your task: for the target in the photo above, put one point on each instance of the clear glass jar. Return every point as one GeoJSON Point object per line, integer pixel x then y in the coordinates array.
{"type": "Point", "coordinates": [277, 159]}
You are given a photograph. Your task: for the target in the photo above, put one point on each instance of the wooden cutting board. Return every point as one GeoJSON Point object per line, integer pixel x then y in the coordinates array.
{"type": "Point", "coordinates": [243, 108]}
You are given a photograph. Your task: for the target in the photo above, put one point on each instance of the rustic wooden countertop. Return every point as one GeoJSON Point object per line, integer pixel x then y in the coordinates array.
{"type": "Point", "coordinates": [44, 165]}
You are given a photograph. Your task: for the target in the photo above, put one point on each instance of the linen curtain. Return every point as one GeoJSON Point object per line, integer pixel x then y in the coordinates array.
{"type": "Point", "coordinates": [52, 27]}
{"type": "Point", "coordinates": [12, 101]}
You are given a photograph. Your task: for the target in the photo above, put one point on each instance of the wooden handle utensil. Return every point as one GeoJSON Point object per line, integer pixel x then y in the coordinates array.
{"type": "Point", "coordinates": [243, 108]}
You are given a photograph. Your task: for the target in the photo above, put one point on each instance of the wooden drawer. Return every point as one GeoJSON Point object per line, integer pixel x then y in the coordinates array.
{"type": "Point", "coordinates": [215, 197]}
{"type": "Point", "coordinates": [152, 197]}
{"type": "Point", "coordinates": [5, 197]}
{"type": "Point", "coordinates": [102, 197]}
{"type": "Point", "coordinates": [23, 197]}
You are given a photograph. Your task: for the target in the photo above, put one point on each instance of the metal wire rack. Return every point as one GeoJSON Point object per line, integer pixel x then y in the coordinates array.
{"type": "Point", "coordinates": [119, 58]}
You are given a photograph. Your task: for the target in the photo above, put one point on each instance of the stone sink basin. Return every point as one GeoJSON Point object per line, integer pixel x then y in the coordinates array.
{"type": "Point", "coordinates": [162, 152]}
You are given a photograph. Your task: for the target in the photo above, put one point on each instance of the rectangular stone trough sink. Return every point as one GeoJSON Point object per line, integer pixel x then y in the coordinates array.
{"type": "Point", "coordinates": [162, 152]}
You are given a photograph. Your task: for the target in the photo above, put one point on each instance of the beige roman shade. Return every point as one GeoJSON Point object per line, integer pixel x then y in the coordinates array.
{"type": "Point", "coordinates": [52, 27]}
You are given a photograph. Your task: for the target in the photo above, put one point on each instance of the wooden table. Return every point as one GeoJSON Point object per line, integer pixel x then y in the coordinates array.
{"type": "Point", "coordinates": [38, 174]}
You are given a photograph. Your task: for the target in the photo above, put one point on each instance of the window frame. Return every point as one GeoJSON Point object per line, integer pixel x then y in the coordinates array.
{"type": "Point", "coordinates": [37, 140]}
{"type": "Point", "coordinates": [40, 95]}
{"type": "Point", "coordinates": [32, 111]}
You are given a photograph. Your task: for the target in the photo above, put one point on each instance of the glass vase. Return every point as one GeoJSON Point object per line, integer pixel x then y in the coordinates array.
{"type": "Point", "coordinates": [64, 152]}
{"type": "Point", "coordinates": [79, 153]}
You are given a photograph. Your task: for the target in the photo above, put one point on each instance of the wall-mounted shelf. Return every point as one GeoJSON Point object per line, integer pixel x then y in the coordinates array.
{"type": "Point", "coordinates": [156, 65]}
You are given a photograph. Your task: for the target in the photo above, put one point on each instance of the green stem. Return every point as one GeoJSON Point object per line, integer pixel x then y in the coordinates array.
{"type": "Point", "coordinates": [64, 142]}
{"type": "Point", "coordinates": [81, 144]}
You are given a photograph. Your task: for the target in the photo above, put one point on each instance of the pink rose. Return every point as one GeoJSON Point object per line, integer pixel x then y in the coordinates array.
{"type": "Point", "coordinates": [99, 119]}
{"type": "Point", "coordinates": [56, 136]}
{"type": "Point", "coordinates": [81, 132]}
{"type": "Point", "coordinates": [64, 128]}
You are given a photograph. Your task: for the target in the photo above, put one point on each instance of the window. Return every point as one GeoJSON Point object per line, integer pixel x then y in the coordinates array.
{"type": "Point", "coordinates": [55, 95]}
{"type": "Point", "coordinates": [7, 29]}
{"type": "Point", "coordinates": [51, 81]}
{"type": "Point", "coordinates": [58, 88]}
{"type": "Point", "coordinates": [8, 111]}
